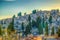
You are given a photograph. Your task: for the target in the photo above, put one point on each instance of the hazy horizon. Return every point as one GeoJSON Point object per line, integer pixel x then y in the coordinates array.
{"type": "Point", "coordinates": [10, 7]}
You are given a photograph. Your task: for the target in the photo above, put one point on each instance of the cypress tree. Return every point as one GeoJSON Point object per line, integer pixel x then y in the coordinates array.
{"type": "Point", "coordinates": [50, 19]}
{"type": "Point", "coordinates": [34, 11]}
{"type": "Point", "coordinates": [10, 28]}
{"type": "Point", "coordinates": [52, 33]}
{"type": "Point", "coordinates": [38, 23]}
{"type": "Point", "coordinates": [46, 29]}
{"type": "Point", "coordinates": [0, 30]}
{"type": "Point", "coordinates": [58, 32]}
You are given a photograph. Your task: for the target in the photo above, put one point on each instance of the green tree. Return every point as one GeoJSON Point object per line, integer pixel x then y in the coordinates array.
{"type": "Point", "coordinates": [19, 14]}
{"type": "Point", "coordinates": [57, 10]}
{"type": "Point", "coordinates": [33, 23]}
{"type": "Point", "coordinates": [28, 27]}
{"type": "Point", "coordinates": [43, 23]}
{"type": "Point", "coordinates": [46, 29]}
{"type": "Point", "coordinates": [29, 18]}
{"type": "Point", "coordinates": [50, 19]}
{"type": "Point", "coordinates": [14, 16]}
{"type": "Point", "coordinates": [38, 23]}
{"type": "Point", "coordinates": [38, 20]}
{"type": "Point", "coordinates": [27, 31]}
{"type": "Point", "coordinates": [58, 32]}
{"type": "Point", "coordinates": [0, 30]}
{"type": "Point", "coordinates": [22, 26]}
{"type": "Point", "coordinates": [10, 28]}
{"type": "Point", "coordinates": [24, 13]}
{"type": "Point", "coordinates": [34, 11]}
{"type": "Point", "coordinates": [40, 28]}
{"type": "Point", "coordinates": [52, 33]}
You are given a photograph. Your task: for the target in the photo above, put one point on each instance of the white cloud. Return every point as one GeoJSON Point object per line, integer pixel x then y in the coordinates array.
{"type": "Point", "coordinates": [8, 0]}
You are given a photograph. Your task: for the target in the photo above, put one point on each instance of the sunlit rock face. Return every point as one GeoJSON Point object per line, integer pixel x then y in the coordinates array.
{"type": "Point", "coordinates": [42, 14]}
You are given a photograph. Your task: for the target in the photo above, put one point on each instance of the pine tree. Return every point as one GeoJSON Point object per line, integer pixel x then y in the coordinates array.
{"type": "Point", "coordinates": [38, 20]}
{"type": "Point", "coordinates": [33, 23]}
{"type": "Point", "coordinates": [19, 14]}
{"type": "Point", "coordinates": [29, 18]}
{"type": "Point", "coordinates": [10, 28]}
{"type": "Point", "coordinates": [27, 31]}
{"type": "Point", "coordinates": [28, 27]}
{"type": "Point", "coordinates": [50, 19]}
{"type": "Point", "coordinates": [46, 29]}
{"type": "Point", "coordinates": [40, 29]}
{"type": "Point", "coordinates": [58, 32]}
{"type": "Point", "coordinates": [43, 23]}
{"type": "Point", "coordinates": [14, 16]}
{"type": "Point", "coordinates": [52, 33]}
{"type": "Point", "coordinates": [38, 23]}
{"type": "Point", "coordinates": [24, 13]}
{"type": "Point", "coordinates": [0, 30]}
{"type": "Point", "coordinates": [22, 26]}
{"type": "Point", "coordinates": [34, 11]}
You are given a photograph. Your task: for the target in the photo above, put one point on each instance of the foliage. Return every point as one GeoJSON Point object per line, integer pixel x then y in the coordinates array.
{"type": "Point", "coordinates": [34, 11]}
{"type": "Point", "coordinates": [33, 23]}
{"type": "Point", "coordinates": [50, 19]}
{"type": "Point", "coordinates": [58, 32]}
{"type": "Point", "coordinates": [28, 27]}
{"type": "Point", "coordinates": [22, 26]}
{"type": "Point", "coordinates": [24, 13]}
{"type": "Point", "coordinates": [52, 33]}
{"type": "Point", "coordinates": [40, 28]}
{"type": "Point", "coordinates": [38, 20]}
{"type": "Point", "coordinates": [10, 28]}
{"type": "Point", "coordinates": [14, 16]}
{"type": "Point", "coordinates": [38, 23]}
{"type": "Point", "coordinates": [29, 18]}
{"type": "Point", "coordinates": [43, 23]}
{"type": "Point", "coordinates": [0, 30]}
{"type": "Point", "coordinates": [46, 29]}
{"type": "Point", "coordinates": [19, 14]}
{"type": "Point", "coordinates": [27, 31]}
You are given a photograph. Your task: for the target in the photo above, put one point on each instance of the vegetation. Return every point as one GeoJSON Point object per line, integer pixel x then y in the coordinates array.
{"type": "Point", "coordinates": [29, 18]}
{"type": "Point", "coordinates": [24, 13]}
{"type": "Point", "coordinates": [28, 27]}
{"type": "Point", "coordinates": [22, 26]}
{"type": "Point", "coordinates": [39, 23]}
{"type": "Point", "coordinates": [10, 28]}
{"type": "Point", "coordinates": [46, 29]}
{"type": "Point", "coordinates": [14, 16]}
{"type": "Point", "coordinates": [58, 32]}
{"type": "Point", "coordinates": [19, 14]}
{"type": "Point", "coordinates": [52, 33]}
{"type": "Point", "coordinates": [33, 23]}
{"type": "Point", "coordinates": [0, 30]}
{"type": "Point", "coordinates": [34, 11]}
{"type": "Point", "coordinates": [27, 31]}
{"type": "Point", "coordinates": [50, 19]}
{"type": "Point", "coordinates": [43, 23]}
{"type": "Point", "coordinates": [40, 29]}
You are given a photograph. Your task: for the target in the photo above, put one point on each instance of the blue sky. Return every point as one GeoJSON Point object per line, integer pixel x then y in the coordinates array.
{"type": "Point", "coordinates": [10, 7]}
